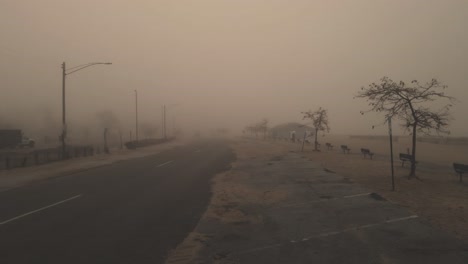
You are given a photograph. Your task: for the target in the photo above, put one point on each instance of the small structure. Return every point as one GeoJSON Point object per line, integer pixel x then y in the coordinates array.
{"type": "Point", "coordinates": [287, 131]}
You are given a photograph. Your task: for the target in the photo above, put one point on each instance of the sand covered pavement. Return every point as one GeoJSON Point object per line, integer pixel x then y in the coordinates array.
{"type": "Point", "coordinates": [280, 205]}
{"type": "Point", "coordinates": [436, 196]}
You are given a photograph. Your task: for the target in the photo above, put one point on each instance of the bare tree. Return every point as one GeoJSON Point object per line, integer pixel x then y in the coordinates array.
{"type": "Point", "coordinates": [408, 103]}
{"type": "Point", "coordinates": [319, 120]}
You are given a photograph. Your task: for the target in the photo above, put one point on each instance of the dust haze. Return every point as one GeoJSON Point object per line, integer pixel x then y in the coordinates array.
{"type": "Point", "coordinates": [220, 64]}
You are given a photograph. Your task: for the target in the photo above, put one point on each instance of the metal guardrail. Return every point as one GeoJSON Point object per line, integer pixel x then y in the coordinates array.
{"type": "Point", "coordinates": [20, 158]}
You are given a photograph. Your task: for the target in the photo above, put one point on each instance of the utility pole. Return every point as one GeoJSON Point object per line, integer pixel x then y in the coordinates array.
{"type": "Point", "coordinates": [173, 125]}
{"type": "Point", "coordinates": [162, 121]}
{"type": "Point", "coordinates": [64, 124]}
{"type": "Point", "coordinates": [164, 118]}
{"type": "Point", "coordinates": [64, 75]}
{"type": "Point", "coordinates": [136, 115]}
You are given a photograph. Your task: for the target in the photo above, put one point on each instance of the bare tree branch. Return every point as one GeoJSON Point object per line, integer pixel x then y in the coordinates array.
{"type": "Point", "coordinates": [407, 103]}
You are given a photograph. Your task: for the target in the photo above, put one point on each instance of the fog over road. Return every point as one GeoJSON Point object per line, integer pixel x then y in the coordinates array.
{"type": "Point", "coordinates": [134, 211]}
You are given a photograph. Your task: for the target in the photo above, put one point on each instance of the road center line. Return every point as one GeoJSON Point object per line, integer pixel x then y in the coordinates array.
{"type": "Point", "coordinates": [40, 209]}
{"type": "Point", "coordinates": [165, 163]}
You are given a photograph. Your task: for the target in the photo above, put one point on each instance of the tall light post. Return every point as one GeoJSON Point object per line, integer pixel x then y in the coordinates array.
{"type": "Point", "coordinates": [164, 120]}
{"type": "Point", "coordinates": [66, 72]}
{"type": "Point", "coordinates": [136, 115]}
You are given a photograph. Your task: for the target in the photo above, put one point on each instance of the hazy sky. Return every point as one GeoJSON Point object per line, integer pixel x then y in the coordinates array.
{"type": "Point", "coordinates": [226, 62]}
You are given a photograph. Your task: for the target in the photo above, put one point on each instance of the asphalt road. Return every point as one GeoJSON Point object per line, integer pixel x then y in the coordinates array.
{"type": "Point", "coordinates": [129, 212]}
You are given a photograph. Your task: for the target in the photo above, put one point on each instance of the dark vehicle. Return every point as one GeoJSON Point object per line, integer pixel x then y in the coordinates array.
{"type": "Point", "coordinates": [12, 138]}
{"type": "Point", "coordinates": [26, 143]}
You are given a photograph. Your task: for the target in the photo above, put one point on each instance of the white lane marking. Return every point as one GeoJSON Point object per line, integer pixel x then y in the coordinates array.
{"type": "Point", "coordinates": [165, 163]}
{"type": "Point", "coordinates": [322, 200]}
{"type": "Point", "coordinates": [40, 209]}
{"type": "Point", "coordinates": [327, 234]}
{"type": "Point", "coordinates": [356, 195]}
{"type": "Point", "coordinates": [365, 226]}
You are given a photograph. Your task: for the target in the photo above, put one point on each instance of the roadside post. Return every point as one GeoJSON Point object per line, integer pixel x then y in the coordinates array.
{"type": "Point", "coordinates": [391, 151]}
{"type": "Point", "coordinates": [303, 141]}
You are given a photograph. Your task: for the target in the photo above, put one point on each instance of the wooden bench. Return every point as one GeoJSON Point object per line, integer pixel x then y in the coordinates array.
{"type": "Point", "coordinates": [405, 157]}
{"type": "Point", "coordinates": [345, 149]}
{"type": "Point", "coordinates": [366, 152]}
{"type": "Point", "coordinates": [329, 146]}
{"type": "Point", "coordinates": [460, 169]}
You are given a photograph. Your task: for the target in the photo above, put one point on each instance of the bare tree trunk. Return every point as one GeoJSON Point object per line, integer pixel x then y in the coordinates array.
{"type": "Point", "coordinates": [413, 162]}
{"type": "Point", "coordinates": [303, 141]}
{"type": "Point", "coordinates": [316, 143]}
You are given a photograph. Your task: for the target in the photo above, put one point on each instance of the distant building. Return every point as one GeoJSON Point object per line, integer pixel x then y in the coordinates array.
{"type": "Point", "coordinates": [287, 130]}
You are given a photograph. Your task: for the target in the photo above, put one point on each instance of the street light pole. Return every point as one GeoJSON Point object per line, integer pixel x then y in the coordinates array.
{"type": "Point", "coordinates": [136, 114]}
{"type": "Point", "coordinates": [164, 119]}
{"type": "Point", "coordinates": [64, 75]}
{"type": "Point", "coordinates": [64, 128]}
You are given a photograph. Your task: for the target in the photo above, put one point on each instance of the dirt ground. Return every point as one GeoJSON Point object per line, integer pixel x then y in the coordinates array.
{"type": "Point", "coordinates": [437, 196]}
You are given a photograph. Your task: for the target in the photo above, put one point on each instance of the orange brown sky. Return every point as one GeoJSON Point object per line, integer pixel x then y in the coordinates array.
{"type": "Point", "coordinates": [225, 63]}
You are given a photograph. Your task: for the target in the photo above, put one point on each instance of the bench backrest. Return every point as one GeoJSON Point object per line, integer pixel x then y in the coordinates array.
{"type": "Point", "coordinates": [344, 146]}
{"type": "Point", "coordinates": [460, 167]}
{"type": "Point", "coordinates": [406, 156]}
{"type": "Point", "coordinates": [363, 150]}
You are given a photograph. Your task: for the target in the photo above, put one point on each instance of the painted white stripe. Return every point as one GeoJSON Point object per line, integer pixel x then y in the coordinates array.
{"type": "Point", "coordinates": [165, 163]}
{"type": "Point", "coordinates": [356, 195]}
{"type": "Point", "coordinates": [40, 209]}
{"type": "Point", "coordinates": [322, 200]}
{"type": "Point", "coordinates": [364, 226]}
{"type": "Point", "coordinates": [327, 234]}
